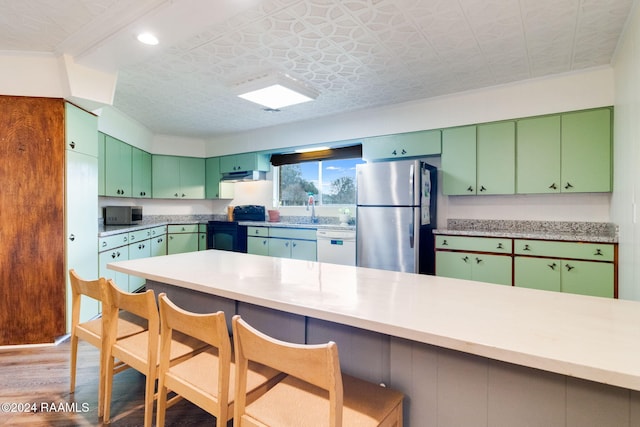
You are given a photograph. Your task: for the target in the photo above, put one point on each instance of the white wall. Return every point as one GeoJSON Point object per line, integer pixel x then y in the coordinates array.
{"type": "Point", "coordinates": [575, 91]}
{"type": "Point", "coordinates": [626, 193]}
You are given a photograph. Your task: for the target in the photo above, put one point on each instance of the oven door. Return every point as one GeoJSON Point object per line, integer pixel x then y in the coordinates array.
{"type": "Point", "coordinates": [226, 236]}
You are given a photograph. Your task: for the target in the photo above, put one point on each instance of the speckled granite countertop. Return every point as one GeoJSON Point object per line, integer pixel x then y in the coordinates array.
{"type": "Point", "coordinates": [159, 220]}
{"type": "Point", "coordinates": [286, 224]}
{"type": "Point", "coordinates": [602, 232]}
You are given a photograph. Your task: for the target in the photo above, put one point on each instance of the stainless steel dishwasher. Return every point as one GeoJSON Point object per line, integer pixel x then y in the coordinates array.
{"type": "Point", "coordinates": [336, 246]}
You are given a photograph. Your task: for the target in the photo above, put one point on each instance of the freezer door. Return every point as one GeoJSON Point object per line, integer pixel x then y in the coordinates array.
{"type": "Point", "coordinates": [388, 238]}
{"type": "Point", "coordinates": [388, 183]}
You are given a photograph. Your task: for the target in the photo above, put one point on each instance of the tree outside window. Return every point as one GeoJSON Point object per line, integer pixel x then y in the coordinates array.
{"type": "Point", "coordinates": [331, 182]}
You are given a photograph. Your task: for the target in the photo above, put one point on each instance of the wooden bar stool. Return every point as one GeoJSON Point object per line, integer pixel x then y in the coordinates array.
{"type": "Point", "coordinates": [314, 393]}
{"type": "Point", "coordinates": [139, 351]}
{"type": "Point", "coordinates": [92, 330]}
{"type": "Point", "coordinates": [208, 378]}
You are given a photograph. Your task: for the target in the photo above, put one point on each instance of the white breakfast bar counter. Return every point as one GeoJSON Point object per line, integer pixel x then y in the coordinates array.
{"type": "Point", "coordinates": [464, 353]}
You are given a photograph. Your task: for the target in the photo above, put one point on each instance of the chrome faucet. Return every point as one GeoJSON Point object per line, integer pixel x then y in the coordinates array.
{"type": "Point", "coordinates": [311, 202]}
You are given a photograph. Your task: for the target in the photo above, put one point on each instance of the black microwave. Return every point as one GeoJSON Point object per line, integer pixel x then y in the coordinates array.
{"type": "Point", "coordinates": [122, 215]}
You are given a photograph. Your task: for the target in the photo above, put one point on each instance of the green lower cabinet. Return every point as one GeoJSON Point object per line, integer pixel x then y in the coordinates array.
{"type": "Point", "coordinates": [178, 243]}
{"type": "Point", "coordinates": [473, 266]}
{"type": "Point", "coordinates": [183, 238]}
{"type": "Point", "coordinates": [537, 273]}
{"type": "Point", "coordinates": [137, 250]}
{"type": "Point", "coordinates": [577, 277]}
{"type": "Point", "coordinates": [113, 255]}
{"type": "Point", "coordinates": [588, 278]}
{"type": "Point", "coordinates": [258, 245]}
{"type": "Point", "coordinates": [304, 249]}
{"type": "Point", "coordinates": [292, 248]}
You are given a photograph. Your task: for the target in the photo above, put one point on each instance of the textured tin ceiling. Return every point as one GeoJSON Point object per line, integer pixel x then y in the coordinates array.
{"type": "Point", "coordinates": [355, 53]}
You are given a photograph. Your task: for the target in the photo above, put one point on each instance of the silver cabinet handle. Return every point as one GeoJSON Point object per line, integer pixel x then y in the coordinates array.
{"type": "Point", "coordinates": [72, 237]}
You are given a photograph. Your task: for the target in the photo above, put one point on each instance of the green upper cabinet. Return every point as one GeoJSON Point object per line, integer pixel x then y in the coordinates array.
{"type": "Point", "coordinates": [586, 151]}
{"type": "Point", "coordinates": [496, 158]}
{"type": "Point", "coordinates": [178, 177]}
{"type": "Point", "coordinates": [165, 172]}
{"type": "Point", "coordinates": [538, 158]}
{"type": "Point", "coordinates": [565, 153]}
{"type": "Point", "coordinates": [412, 144]}
{"type": "Point", "coordinates": [141, 173]}
{"type": "Point", "coordinates": [244, 162]}
{"type": "Point", "coordinates": [192, 178]}
{"type": "Point", "coordinates": [212, 178]}
{"type": "Point", "coordinates": [80, 130]}
{"type": "Point", "coordinates": [117, 168]}
{"type": "Point", "coordinates": [459, 160]}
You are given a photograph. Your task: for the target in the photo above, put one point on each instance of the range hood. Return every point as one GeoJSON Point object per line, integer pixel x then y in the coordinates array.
{"type": "Point", "coordinates": [242, 176]}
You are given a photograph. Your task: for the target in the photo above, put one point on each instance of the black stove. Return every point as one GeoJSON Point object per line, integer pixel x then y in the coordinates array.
{"type": "Point", "coordinates": [229, 235]}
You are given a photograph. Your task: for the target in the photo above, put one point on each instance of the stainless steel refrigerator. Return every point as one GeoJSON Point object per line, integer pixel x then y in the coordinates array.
{"type": "Point", "coordinates": [395, 214]}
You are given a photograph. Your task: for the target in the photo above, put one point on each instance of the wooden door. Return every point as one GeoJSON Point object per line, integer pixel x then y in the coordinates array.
{"type": "Point", "coordinates": [32, 254]}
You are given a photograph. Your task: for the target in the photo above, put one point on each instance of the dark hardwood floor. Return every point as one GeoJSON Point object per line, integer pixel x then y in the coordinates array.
{"type": "Point", "coordinates": [40, 377]}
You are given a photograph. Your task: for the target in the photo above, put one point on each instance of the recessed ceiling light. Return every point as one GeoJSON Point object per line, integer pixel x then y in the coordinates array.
{"type": "Point", "coordinates": [275, 91]}
{"type": "Point", "coordinates": [148, 38]}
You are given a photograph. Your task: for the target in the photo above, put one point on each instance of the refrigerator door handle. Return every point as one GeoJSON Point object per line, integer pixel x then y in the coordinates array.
{"type": "Point", "coordinates": [411, 235]}
{"type": "Point", "coordinates": [412, 175]}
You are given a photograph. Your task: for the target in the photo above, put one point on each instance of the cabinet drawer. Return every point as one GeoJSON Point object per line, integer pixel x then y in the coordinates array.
{"type": "Point", "coordinates": [573, 250]}
{"type": "Point", "coordinates": [293, 233]}
{"type": "Point", "coordinates": [109, 242]}
{"type": "Point", "coordinates": [258, 231]}
{"type": "Point", "coordinates": [138, 235]}
{"type": "Point", "coordinates": [183, 228]}
{"type": "Point", "coordinates": [478, 244]}
{"type": "Point", "coordinates": [158, 231]}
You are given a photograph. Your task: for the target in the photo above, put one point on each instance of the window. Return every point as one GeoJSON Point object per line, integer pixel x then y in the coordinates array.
{"type": "Point", "coordinates": [331, 182]}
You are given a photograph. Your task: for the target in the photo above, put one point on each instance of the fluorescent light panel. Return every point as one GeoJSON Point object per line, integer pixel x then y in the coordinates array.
{"type": "Point", "coordinates": [275, 91]}
{"type": "Point", "coordinates": [311, 149]}
{"type": "Point", "coordinates": [148, 38]}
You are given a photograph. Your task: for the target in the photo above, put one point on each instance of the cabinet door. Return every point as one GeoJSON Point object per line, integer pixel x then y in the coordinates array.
{"type": "Point", "coordinates": [159, 245]}
{"type": "Point", "coordinates": [304, 249]}
{"type": "Point", "coordinates": [538, 155]}
{"type": "Point", "coordinates": [182, 242]}
{"type": "Point", "coordinates": [82, 227]}
{"type": "Point", "coordinates": [117, 168]}
{"type": "Point", "coordinates": [228, 164]}
{"type": "Point", "coordinates": [411, 144]}
{"type": "Point", "coordinates": [212, 178]}
{"type": "Point", "coordinates": [588, 278]}
{"type": "Point", "coordinates": [537, 273]}
{"type": "Point", "coordinates": [140, 173]}
{"type": "Point", "coordinates": [280, 248]}
{"type": "Point", "coordinates": [586, 151]}
{"type": "Point", "coordinates": [246, 162]}
{"type": "Point", "coordinates": [81, 130]}
{"type": "Point", "coordinates": [453, 264]}
{"type": "Point", "coordinates": [113, 255]}
{"type": "Point", "coordinates": [459, 160]}
{"type": "Point", "coordinates": [496, 158]}
{"type": "Point", "coordinates": [257, 245]}
{"type": "Point", "coordinates": [491, 269]}
{"type": "Point", "coordinates": [165, 172]}
{"type": "Point", "coordinates": [141, 249]}
{"type": "Point", "coordinates": [192, 178]}
{"type": "Point", "coordinates": [202, 241]}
